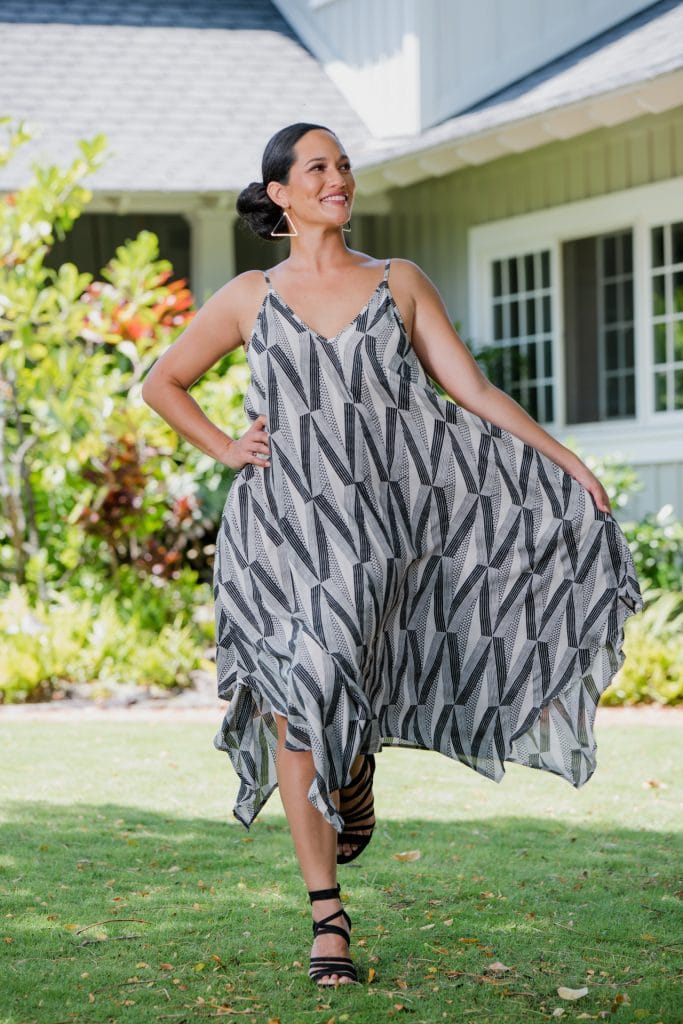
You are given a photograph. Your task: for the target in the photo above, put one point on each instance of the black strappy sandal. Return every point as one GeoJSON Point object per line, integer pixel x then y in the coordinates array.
{"type": "Point", "coordinates": [322, 966]}
{"type": "Point", "coordinates": [356, 804]}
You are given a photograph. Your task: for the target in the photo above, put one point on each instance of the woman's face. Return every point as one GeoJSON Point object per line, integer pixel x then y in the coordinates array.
{"type": "Point", "coordinates": [321, 185]}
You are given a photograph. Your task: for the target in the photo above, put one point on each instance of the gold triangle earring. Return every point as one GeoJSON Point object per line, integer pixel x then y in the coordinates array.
{"type": "Point", "coordinates": [292, 233]}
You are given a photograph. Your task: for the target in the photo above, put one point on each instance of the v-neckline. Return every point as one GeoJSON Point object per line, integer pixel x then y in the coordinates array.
{"type": "Point", "coordinates": [307, 327]}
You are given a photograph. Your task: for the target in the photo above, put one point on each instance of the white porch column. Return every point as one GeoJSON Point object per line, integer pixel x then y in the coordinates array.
{"type": "Point", "coordinates": [212, 250]}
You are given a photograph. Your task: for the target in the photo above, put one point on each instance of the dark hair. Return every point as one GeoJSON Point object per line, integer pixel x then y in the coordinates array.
{"type": "Point", "coordinates": [254, 205]}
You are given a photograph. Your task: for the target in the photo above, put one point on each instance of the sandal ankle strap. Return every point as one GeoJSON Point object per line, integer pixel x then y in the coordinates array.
{"type": "Point", "coordinates": [324, 894]}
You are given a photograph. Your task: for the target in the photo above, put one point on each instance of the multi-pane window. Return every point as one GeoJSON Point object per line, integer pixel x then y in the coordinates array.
{"type": "Point", "coordinates": [666, 279]}
{"type": "Point", "coordinates": [616, 354]}
{"type": "Point", "coordinates": [522, 362]}
{"type": "Point", "coordinates": [599, 348]}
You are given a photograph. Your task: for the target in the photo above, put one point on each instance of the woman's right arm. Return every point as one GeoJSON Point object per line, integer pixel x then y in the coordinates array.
{"type": "Point", "coordinates": [219, 327]}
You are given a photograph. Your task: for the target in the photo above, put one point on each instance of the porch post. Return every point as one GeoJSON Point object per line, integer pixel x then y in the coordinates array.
{"type": "Point", "coordinates": [212, 250]}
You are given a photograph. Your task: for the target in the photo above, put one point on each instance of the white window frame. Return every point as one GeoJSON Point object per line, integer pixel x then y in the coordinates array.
{"type": "Point", "coordinates": [649, 436]}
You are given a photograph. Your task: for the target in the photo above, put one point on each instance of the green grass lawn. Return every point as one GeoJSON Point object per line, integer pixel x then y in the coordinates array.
{"type": "Point", "coordinates": [130, 893]}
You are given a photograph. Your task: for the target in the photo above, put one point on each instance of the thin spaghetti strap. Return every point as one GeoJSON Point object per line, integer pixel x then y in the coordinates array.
{"type": "Point", "coordinates": [386, 271]}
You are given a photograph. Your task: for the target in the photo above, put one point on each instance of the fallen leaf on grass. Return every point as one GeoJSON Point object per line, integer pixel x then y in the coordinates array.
{"type": "Point", "coordinates": [407, 855]}
{"type": "Point", "coordinates": [621, 999]}
{"type": "Point", "coordinates": [558, 1012]}
{"type": "Point", "coordinates": [654, 784]}
{"type": "Point", "coordinates": [497, 967]}
{"type": "Point", "coordinates": [371, 975]}
{"type": "Point", "coordinates": [571, 993]}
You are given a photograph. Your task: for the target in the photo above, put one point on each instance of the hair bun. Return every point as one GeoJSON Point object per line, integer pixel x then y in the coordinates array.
{"type": "Point", "coordinates": [257, 209]}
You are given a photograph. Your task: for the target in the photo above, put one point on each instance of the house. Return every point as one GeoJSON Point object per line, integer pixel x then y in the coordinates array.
{"type": "Point", "coordinates": [528, 154]}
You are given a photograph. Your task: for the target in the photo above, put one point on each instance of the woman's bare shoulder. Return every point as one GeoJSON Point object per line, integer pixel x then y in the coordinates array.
{"type": "Point", "coordinates": [243, 286]}
{"type": "Point", "coordinates": [238, 300]}
{"type": "Point", "coordinates": [407, 272]}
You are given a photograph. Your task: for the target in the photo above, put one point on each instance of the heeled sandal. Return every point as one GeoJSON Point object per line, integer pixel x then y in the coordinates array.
{"type": "Point", "coordinates": [322, 966]}
{"type": "Point", "coordinates": [359, 795]}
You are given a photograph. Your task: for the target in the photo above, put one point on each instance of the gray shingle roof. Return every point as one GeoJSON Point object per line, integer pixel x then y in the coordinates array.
{"type": "Point", "coordinates": [187, 92]}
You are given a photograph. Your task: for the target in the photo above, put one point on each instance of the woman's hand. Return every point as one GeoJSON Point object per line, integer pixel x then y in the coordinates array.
{"type": "Point", "coordinates": [252, 447]}
{"type": "Point", "coordinates": [588, 480]}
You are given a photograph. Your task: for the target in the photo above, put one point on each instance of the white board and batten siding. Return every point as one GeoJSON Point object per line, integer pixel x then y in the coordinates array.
{"type": "Point", "coordinates": [408, 64]}
{"type": "Point", "coordinates": [629, 176]}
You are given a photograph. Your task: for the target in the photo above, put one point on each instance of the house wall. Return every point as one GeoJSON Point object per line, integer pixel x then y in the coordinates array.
{"type": "Point", "coordinates": [431, 223]}
{"type": "Point", "coordinates": [408, 64]}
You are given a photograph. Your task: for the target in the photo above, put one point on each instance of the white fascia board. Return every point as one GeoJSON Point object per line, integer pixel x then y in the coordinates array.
{"type": "Point", "coordinates": [222, 203]}
{"type": "Point", "coordinates": [526, 133]}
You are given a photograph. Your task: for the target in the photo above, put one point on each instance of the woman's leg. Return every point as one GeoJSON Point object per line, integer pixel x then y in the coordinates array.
{"type": "Point", "coordinates": [315, 840]}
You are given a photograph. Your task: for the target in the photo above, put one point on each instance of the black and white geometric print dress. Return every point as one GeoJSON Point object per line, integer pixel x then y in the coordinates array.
{"type": "Point", "coordinates": [404, 572]}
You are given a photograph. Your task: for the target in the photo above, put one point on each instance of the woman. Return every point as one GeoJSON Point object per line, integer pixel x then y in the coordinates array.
{"type": "Point", "coordinates": [391, 566]}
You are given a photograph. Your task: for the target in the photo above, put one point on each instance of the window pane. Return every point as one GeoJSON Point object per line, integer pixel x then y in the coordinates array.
{"type": "Point", "coordinates": [545, 269]}
{"type": "Point", "coordinates": [658, 302]}
{"type": "Point", "coordinates": [611, 306]}
{"type": "Point", "coordinates": [677, 242]}
{"type": "Point", "coordinates": [497, 282]}
{"type": "Point", "coordinates": [659, 335]}
{"type": "Point", "coordinates": [531, 361]}
{"type": "Point", "coordinates": [612, 387]}
{"type": "Point", "coordinates": [660, 391]}
{"type": "Point", "coordinates": [546, 314]}
{"type": "Point", "coordinates": [515, 362]}
{"type": "Point", "coordinates": [547, 359]}
{"type": "Point", "coordinates": [497, 321]}
{"type": "Point", "coordinates": [532, 404]}
{"type": "Point", "coordinates": [627, 253]}
{"type": "Point", "coordinates": [630, 395]}
{"type": "Point", "coordinates": [513, 286]}
{"type": "Point", "coordinates": [678, 292]}
{"type": "Point", "coordinates": [549, 414]}
{"type": "Point", "coordinates": [612, 349]}
{"type": "Point", "coordinates": [628, 347]}
{"type": "Point", "coordinates": [514, 319]}
{"type": "Point", "coordinates": [531, 316]}
{"type": "Point", "coordinates": [529, 273]}
{"type": "Point", "coordinates": [609, 250]}
{"type": "Point", "coordinates": [658, 247]}
{"type": "Point", "coordinates": [627, 301]}
{"type": "Point", "coordinates": [678, 389]}
{"type": "Point", "coordinates": [678, 340]}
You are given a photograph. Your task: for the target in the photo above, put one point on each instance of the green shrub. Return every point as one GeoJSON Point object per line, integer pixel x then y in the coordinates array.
{"type": "Point", "coordinates": [652, 672]}
{"type": "Point", "coordinates": [656, 543]}
{"type": "Point", "coordinates": [47, 645]}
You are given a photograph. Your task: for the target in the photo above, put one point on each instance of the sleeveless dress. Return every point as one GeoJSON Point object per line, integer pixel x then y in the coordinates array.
{"type": "Point", "coordinates": [404, 572]}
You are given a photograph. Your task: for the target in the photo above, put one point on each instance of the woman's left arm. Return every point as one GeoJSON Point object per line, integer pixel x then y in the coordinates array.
{"type": "Point", "coordinates": [449, 362]}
